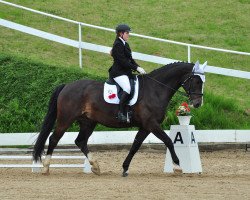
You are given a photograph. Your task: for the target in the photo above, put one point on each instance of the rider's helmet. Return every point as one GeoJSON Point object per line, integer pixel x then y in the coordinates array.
{"type": "Point", "coordinates": [122, 28]}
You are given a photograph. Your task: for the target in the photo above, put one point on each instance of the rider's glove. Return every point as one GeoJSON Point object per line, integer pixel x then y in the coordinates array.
{"type": "Point", "coordinates": [141, 70]}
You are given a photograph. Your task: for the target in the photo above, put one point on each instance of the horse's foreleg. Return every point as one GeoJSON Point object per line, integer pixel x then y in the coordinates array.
{"type": "Point", "coordinates": [139, 138]}
{"type": "Point", "coordinates": [169, 144]}
{"type": "Point", "coordinates": [86, 129]}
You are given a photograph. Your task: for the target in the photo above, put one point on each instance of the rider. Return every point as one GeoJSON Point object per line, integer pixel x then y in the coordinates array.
{"type": "Point", "coordinates": [123, 65]}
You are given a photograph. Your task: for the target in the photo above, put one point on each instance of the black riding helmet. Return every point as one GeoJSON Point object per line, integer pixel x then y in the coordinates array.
{"type": "Point", "coordinates": [122, 28]}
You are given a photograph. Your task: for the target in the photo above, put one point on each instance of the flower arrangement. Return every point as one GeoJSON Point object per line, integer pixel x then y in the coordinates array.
{"type": "Point", "coordinates": [183, 110]}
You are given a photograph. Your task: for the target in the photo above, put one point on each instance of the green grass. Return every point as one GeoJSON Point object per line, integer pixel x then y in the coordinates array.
{"type": "Point", "coordinates": [222, 24]}
{"type": "Point", "coordinates": [18, 146]}
{"type": "Point", "coordinates": [27, 86]}
{"type": "Point", "coordinates": [220, 112]}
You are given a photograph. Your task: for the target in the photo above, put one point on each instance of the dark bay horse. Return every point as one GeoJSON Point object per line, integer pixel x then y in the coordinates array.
{"type": "Point", "coordinates": [83, 101]}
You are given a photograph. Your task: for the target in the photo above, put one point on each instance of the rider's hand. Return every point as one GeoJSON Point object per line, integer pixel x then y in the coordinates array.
{"type": "Point", "coordinates": [141, 70]}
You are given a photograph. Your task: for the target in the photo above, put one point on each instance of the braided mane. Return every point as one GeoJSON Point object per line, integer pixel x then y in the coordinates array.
{"type": "Point", "coordinates": [169, 67]}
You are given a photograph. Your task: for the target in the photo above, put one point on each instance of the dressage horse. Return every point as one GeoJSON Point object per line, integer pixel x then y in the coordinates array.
{"type": "Point", "coordinates": [83, 101]}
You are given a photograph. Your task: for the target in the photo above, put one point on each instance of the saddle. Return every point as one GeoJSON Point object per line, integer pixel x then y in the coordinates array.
{"type": "Point", "coordinates": [132, 81]}
{"type": "Point", "coordinates": [112, 91]}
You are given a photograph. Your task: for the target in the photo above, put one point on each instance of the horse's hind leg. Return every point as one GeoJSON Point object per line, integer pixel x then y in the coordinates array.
{"type": "Point", "coordinates": [53, 141]}
{"type": "Point", "coordinates": [86, 129]}
{"type": "Point", "coordinates": [139, 138]}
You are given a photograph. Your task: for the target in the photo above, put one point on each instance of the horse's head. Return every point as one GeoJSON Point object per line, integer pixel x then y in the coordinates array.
{"type": "Point", "coordinates": [193, 84]}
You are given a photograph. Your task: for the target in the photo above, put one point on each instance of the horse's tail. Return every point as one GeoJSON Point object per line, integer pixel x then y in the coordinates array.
{"type": "Point", "coordinates": [48, 124]}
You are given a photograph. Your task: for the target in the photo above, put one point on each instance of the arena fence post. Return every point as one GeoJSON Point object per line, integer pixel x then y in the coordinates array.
{"type": "Point", "coordinates": [80, 43]}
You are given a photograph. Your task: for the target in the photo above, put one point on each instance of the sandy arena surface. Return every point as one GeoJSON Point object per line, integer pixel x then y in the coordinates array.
{"type": "Point", "coordinates": [226, 175]}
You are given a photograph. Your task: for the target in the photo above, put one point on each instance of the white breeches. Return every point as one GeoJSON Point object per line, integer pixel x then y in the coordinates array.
{"type": "Point", "coordinates": [124, 83]}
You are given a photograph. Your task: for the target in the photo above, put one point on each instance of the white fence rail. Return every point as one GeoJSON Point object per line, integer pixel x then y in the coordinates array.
{"type": "Point", "coordinates": [114, 137]}
{"type": "Point", "coordinates": [104, 49]}
{"type": "Point", "coordinates": [127, 137]}
{"type": "Point", "coordinates": [37, 166]}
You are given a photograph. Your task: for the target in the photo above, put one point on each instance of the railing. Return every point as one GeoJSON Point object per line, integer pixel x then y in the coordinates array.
{"type": "Point", "coordinates": [37, 166]}
{"type": "Point", "coordinates": [212, 69]}
{"type": "Point", "coordinates": [127, 137]}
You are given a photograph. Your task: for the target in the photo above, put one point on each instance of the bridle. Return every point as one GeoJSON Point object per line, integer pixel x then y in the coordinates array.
{"type": "Point", "coordinates": [189, 93]}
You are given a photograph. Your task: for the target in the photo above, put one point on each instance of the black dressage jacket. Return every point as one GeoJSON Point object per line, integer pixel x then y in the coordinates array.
{"type": "Point", "coordinates": [123, 62]}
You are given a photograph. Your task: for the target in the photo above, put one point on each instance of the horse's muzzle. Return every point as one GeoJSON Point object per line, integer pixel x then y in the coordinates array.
{"type": "Point", "coordinates": [197, 105]}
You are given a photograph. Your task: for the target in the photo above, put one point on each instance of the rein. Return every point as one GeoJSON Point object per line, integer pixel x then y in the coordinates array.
{"type": "Point", "coordinates": [180, 92]}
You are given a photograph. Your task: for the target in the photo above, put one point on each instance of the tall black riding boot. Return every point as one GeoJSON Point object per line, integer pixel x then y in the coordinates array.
{"type": "Point", "coordinates": [122, 104]}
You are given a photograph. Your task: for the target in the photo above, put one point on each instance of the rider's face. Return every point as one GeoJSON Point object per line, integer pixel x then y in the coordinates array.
{"type": "Point", "coordinates": [126, 36]}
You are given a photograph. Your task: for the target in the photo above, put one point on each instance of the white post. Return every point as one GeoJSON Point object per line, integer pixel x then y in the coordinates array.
{"type": "Point", "coordinates": [80, 42]}
{"type": "Point", "coordinates": [189, 53]}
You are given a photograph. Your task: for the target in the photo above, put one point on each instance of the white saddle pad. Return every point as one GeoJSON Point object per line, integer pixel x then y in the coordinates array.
{"type": "Point", "coordinates": [110, 93]}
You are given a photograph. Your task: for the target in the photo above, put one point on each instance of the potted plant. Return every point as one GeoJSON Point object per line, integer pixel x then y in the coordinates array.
{"type": "Point", "coordinates": [184, 114]}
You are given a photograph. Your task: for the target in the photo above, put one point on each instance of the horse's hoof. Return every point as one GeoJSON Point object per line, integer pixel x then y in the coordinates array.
{"type": "Point", "coordinates": [177, 169]}
{"type": "Point", "coordinates": [96, 171]}
{"type": "Point", "coordinates": [45, 171]}
{"type": "Point", "coordinates": [124, 174]}
{"type": "Point", "coordinates": [95, 168]}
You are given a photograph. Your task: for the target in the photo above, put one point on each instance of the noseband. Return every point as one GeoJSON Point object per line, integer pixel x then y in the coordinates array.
{"type": "Point", "coordinates": [189, 93]}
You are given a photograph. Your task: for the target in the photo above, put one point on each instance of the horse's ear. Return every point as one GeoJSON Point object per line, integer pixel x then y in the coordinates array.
{"type": "Point", "coordinates": [199, 70]}
{"type": "Point", "coordinates": [196, 66]}
{"type": "Point", "coordinates": [204, 66]}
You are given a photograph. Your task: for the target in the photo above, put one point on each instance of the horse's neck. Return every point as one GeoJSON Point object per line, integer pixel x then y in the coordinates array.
{"type": "Point", "coordinates": [169, 83]}
{"type": "Point", "coordinates": [171, 79]}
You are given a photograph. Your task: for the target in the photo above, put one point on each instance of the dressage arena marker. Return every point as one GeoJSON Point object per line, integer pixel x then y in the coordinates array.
{"type": "Point", "coordinates": [186, 149]}
{"type": "Point", "coordinates": [36, 167]}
